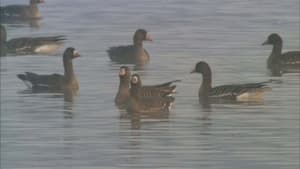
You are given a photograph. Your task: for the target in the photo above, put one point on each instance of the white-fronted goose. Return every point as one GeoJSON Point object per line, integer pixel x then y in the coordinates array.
{"type": "Point", "coordinates": [141, 104]}
{"type": "Point", "coordinates": [132, 54]}
{"type": "Point", "coordinates": [24, 46]}
{"type": "Point", "coordinates": [279, 62]}
{"type": "Point", "coordinates": [54, 82]}
{"type": "Point", "coordinates": [30, 11]}
{"type": "Point", "coordinates": [232, 92]}
{"type": "Point", "coordinates": [123, 94]}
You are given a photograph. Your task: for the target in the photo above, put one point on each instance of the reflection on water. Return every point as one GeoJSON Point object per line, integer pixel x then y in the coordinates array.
{"type": "Point", "coordinates": [67, 95]}
{"type": "Point", "coordinates": [205, 109]}
{"type": "Point", "coordinates": [136, 119]}
{"type": "Point", "coordinates": [68, 103]}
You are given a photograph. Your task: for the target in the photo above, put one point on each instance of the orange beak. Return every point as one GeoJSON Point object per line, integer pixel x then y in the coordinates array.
{"type": "Point", "coordinates": [148, 37]}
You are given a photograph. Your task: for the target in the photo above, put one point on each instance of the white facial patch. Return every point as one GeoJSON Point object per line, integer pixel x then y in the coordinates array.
{"type": "Point", "coordinates": [122, 72]}
{"type": "Point", "coordinates": [135, 79]}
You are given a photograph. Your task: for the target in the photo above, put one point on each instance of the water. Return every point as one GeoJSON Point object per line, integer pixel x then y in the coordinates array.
{"type": "Point", "coordinates": [46, 131]}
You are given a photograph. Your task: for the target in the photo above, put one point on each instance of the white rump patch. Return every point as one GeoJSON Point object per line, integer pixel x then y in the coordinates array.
{"type": "Point", "coordinates": [250, 96]}
{"type": "Point", "coordinates": [47, 49]}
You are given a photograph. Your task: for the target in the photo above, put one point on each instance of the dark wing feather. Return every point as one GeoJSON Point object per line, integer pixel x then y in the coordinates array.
{"type": "Point", "coordinates": [155, 104]}
{"type": "Point", "coordinates": [121, 53]}
{"type": "Point", "coordinates": [153, 91]}
{"type": "Point", "coordinates": [162, 90]}
{"type": "Point", "coordinates": [20, 45]}
{"type": "Point", "coordinates": [28, 45]}
{"type": "Point", "coordinates": [167, 84]}
{"type": "Point", "coordinates": [53, 81]}
{"type": "Point", "coordinates": [14, 10]}
{"type": "Point", "coordinates": [235, 89]}
{"type": "Point", "coordinates": [49, 39]}
{"type": "Point", "coordinates": [292, 57]}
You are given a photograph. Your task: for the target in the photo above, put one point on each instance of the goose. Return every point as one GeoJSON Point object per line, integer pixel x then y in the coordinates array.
{"type": "Point", "coordinates": [27, 45]}
{"type": "Point", "coordinates": [30, 11]}
{"type": "Point", "coordinates": [145, 105]}
{"type": "Point", "coordinates": [123, 94]}
{"type": "Point", "coordinates": [54, 82]}
{"type": "Point", "coordinates": [279, 62]}
{"type": "Point", "coordinates": [233, 92]}
{"type": "Point", "coordinates": [132, 54]}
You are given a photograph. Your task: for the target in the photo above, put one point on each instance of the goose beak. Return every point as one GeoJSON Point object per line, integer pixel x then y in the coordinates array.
{"type": "Point", "coordinates": [193, 71]}
{"type": "Point", "coordinates": [265, 43]}
{"type": "Point", "coordinates": [76, 54]}
{"type": "Point", "coordinates": [148, 37]}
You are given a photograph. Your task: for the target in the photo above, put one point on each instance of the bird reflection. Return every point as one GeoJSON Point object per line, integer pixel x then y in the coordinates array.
{"type": "Point", "coordinates": [67, 130]}
{"type": "Point", "coordinates": [131, 141]}
{"type": "Point", "coordinates": [206, 108]}
{"type": "Point", "coordinates": [68, 102]}
{"type": "Point", "coordinates": [136, 119]}
{"type": "Point", "coordinates": [132, 134]}
{"type": "Point", "coordinates": [68, 137]}
{"type": "Point", "coordinates": [67, 95]}
{"type": "Point", "coordinates": [206, 105]}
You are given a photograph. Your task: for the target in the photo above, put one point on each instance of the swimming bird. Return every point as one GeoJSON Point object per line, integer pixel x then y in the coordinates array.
{"type": "Point", "coordinates": [141, 104]}
{"type": "Point", "coordinates": [279, 62]}
{"type": "Point", "coordinates": [27, 45]}
{"type": "Point", "coordinates": [54, 82]}
{"type": "Point", "coordinates": [132, 54]}
{"type": "Point", "coordinates": [30, 11]}
{"type": "Point", "coordinates": [123, 94]}
{"type": "Point", "coordinates": [231, 92]}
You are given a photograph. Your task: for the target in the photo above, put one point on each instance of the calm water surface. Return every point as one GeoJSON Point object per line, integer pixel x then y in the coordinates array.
{"type": "Point", "coordinates": [46, 130]}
